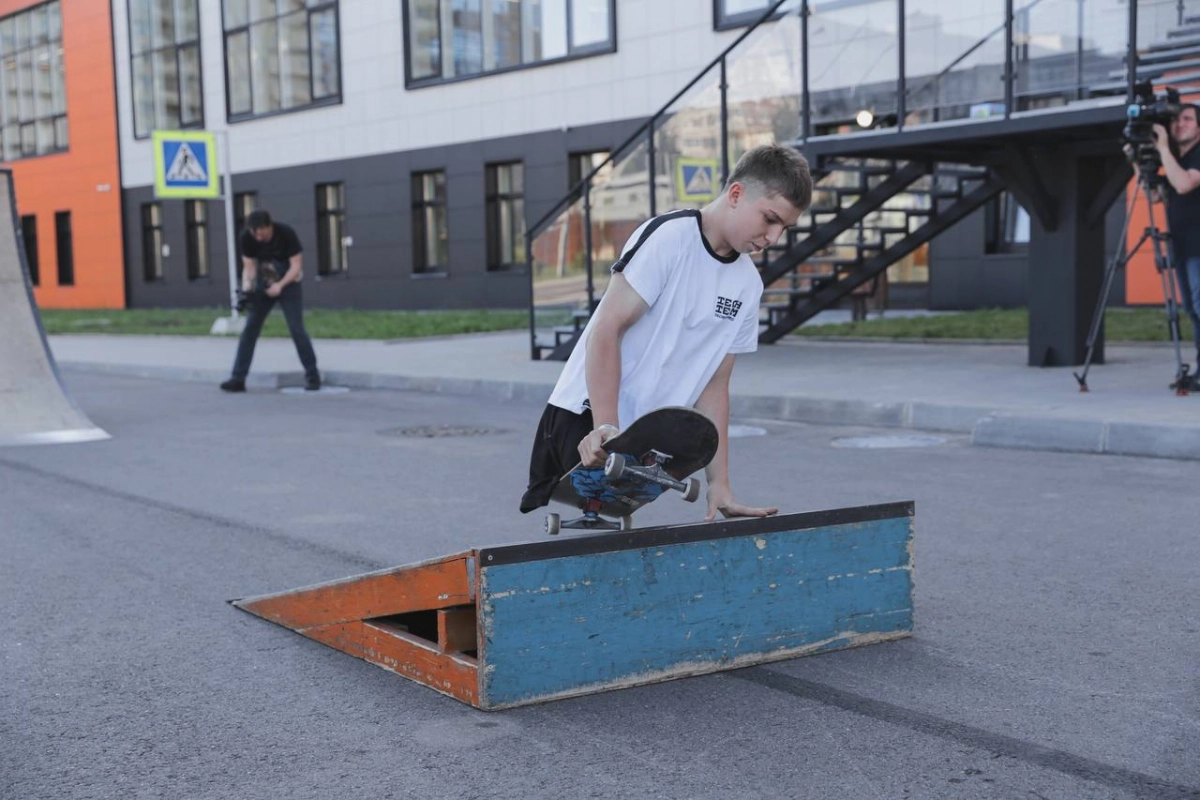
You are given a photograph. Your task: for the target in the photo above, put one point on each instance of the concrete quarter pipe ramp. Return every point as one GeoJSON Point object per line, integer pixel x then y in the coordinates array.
{"type": "Point", "coordinates": [34, 405]}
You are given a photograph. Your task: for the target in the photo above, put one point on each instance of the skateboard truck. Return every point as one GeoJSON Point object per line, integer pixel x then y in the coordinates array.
{"type": "Point", "coordinates": [617, 466]}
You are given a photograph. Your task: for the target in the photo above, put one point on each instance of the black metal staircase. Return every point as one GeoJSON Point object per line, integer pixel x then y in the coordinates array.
{"type": "Point", "coordinates": [867, 214]}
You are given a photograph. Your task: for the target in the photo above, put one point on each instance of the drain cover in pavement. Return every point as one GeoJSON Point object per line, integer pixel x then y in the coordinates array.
{"type": "Point", "coordinates": [437, 431]}
{"type": "Point", "coordinates": [888, 442]}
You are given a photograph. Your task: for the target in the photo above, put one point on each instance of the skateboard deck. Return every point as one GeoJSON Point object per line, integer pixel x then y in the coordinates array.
{"type": "Point", "coordinates": [659, 451]}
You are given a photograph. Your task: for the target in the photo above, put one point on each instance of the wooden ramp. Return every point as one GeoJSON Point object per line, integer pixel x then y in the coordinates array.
{"type": "Point", "coordinates": [505, 626]}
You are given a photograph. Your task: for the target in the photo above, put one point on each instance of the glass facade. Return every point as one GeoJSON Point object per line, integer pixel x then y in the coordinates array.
{"type": "Point", "coordinates": [33, 100]}
{"type": "Point", "coordinates": [451, 39]}
{"type": "Point", "coordinates": [280, 55]}
{"type": "Point", "coordinates": [164, 50]}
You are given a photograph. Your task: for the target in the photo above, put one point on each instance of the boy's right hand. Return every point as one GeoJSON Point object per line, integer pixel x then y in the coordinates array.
{"type": "Point", "coordinates": [591, 450]}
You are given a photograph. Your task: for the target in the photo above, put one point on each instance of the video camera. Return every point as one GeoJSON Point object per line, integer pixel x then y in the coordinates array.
{"type": "Point", "coordinates": [1149, 110]}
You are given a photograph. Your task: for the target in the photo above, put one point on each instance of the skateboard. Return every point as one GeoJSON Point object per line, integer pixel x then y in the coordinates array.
{"type": "Point", "coordinates": [659, 451]}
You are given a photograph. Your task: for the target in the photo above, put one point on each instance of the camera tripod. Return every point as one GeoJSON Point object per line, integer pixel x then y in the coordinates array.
{"type": "Point", "coordinates": [1163, 263]}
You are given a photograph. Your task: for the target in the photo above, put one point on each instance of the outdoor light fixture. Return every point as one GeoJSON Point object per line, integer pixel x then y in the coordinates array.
{"type": "Point", "coordinates": [866, 119]}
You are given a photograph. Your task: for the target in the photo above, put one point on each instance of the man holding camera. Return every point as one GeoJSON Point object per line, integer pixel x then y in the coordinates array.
{"type": "Point", "coordinates": [271, 272]}
{"type": "Point", "coordinates": [1183, 209]}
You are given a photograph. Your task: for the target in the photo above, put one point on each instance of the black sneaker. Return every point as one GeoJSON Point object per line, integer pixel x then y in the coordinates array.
{"type": "Point", "coordinates": [233, 385]}
{"type": "Point", "coordinates": [312, 384]}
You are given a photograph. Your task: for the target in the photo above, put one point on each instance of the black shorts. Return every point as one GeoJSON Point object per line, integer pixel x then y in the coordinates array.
{"type": "Point", "coordinates": [555, 453]}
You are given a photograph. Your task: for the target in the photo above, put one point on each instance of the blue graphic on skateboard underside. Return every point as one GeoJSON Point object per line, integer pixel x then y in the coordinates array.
{"type": "Point", "coordinates": [591, 483]}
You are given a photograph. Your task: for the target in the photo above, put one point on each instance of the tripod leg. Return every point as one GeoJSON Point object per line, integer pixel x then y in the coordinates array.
{"type": "Point", "coordinates": [1119, 259]}
{"type": "Point", "coordinates": [1163, 258]}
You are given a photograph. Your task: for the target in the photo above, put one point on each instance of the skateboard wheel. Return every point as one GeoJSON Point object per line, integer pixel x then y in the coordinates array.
{"type": "Point", "coordinates": [626, 522]}
{"type": "Point", "coordinates": [553, 524]}
{"type": "Point", "coordinates": [692, 493]}
{"type": "Point", "coordinates": [614, 467]}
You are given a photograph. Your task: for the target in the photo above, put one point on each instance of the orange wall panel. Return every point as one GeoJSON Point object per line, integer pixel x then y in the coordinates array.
{"type": "Point", "coordinates": [85, 179]}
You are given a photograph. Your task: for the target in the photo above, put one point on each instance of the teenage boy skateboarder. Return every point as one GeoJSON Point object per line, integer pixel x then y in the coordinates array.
{"type": "Point", "coordinates": [682, 303]}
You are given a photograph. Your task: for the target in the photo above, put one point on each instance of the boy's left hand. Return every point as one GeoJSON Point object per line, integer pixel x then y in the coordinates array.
{"type": "Point", "coordinates": [720, 499]}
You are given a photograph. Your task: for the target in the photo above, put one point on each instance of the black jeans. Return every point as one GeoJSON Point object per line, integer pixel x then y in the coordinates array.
{"type": "Point", "coordinates": [291, 300]}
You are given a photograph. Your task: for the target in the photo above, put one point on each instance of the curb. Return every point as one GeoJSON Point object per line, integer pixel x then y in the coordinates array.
{"type": "Point", "coordinates": [987, 427]}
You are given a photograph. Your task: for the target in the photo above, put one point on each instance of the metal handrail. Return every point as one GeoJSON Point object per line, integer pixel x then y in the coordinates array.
{"type": "Point", "coordinates": [573, 194]}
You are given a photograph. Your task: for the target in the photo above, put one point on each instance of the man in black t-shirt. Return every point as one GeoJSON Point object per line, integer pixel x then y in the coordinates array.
{"type": "Point", "coordinates": [271, 272]}
{"type": "Point", "coordinates": [1183, 209]}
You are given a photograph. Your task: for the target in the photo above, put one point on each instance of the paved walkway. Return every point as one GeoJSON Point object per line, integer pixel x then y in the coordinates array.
{"type": "Point", "coordinates": [984, 390]}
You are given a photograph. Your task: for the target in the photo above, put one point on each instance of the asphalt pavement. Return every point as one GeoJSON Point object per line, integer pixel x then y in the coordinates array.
{"type": "Point", "coordinates": [1054, 653]}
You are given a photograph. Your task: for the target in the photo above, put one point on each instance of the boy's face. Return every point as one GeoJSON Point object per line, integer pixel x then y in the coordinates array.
{"type": "Point", "coordinates": [758, 218]}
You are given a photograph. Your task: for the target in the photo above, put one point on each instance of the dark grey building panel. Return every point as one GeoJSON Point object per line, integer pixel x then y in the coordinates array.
{"type": "Point", "coordinates": [379, 221]}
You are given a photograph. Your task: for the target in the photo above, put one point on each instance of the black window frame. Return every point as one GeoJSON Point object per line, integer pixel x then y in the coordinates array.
{"type": "Point", "coordinates": [573, 53]}
{"type": "Point", "coordinates": [29, 240]}
{"type": "Point", "coordinates": [58, 120]}
{"type": "Point", "coordinates": [494, 201]}
{"type": "Point", "coordinates": [198, 250]}
{"type": "Point", "coordinates": [177, 46]}
{"type": "Point", "coordinates": [334, 99]}
{"type": "Point", "coordinates": [724, 21]}
{"type": "Point", "coordinates": [152, 242]}
{"type": "Point", "coordinates": [331, 254]}
{"type": "Point", "coordinates": [420, 207]}
{"type": "Point", "coordinates": [64, 248]}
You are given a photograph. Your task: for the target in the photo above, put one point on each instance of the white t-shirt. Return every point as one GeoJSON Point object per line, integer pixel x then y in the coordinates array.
{"type": "Point", "coordinates": [702, 308]}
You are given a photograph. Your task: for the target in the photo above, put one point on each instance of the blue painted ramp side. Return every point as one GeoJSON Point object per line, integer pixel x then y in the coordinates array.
{"type": "Point", "coordinates": [688, 602]}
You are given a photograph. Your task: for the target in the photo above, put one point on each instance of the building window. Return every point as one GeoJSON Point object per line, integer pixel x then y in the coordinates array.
{"type": "Point", "coordinates": [164, 50]}
{"type": "Point", "coordinates": [29, 238]}
{"type": "Point", "coordinates": [431, 238]}
{"type": "Point", "coordinates": [196, 212]}
{"type": "Point", "coordinates": [454, 39]}
{"type": "Point", "coordinates": [32, 93]}
{"type": "Point", "coordinates": [65, 248]}
{"type": "Point", "coordinates": [243, 204]}
{"type": "Point", "coordinates": [152, 242]}
{"type": "Point", "coordinates": [1006, 225]}
{"type": "Point", "coordinates": [331, 228]}
{"type": "Point", "coordinates": [505, 215]}
{"type": "Point", "coordinates": [580, 165]}
{"type": "Point", "coordinates": [280, 56]}
{"type": "Point", "coordinates": [739, 13]}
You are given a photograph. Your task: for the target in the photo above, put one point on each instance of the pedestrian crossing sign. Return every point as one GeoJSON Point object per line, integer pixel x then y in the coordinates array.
{"type": "Point", "coordinates": [185, 164]}
{"type": "Point", "coordinates": [697, 179]}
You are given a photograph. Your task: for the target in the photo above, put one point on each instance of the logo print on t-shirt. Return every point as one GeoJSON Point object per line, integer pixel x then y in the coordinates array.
{"type": "Point", "coordinates": [728, 309]}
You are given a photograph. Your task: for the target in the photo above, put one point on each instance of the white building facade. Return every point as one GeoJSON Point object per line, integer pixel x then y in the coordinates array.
{"type": "Point", "coordinates": [408, 143]}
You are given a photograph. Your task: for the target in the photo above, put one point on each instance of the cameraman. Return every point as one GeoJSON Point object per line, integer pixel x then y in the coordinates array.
{"type": "Point", "coordinates": [271, 272]}
{"type": "Point", "coordinates": [1183, 208]}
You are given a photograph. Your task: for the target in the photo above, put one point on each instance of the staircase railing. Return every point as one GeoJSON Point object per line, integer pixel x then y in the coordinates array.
{"type": "Point", "coordinates": [653, 181]}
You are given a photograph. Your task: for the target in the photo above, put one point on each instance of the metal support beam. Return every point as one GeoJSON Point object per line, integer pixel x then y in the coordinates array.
{"type": "Point", "coordinates": [1023, 178]}
{"type": "Point", "coordinates": [1066, 263]}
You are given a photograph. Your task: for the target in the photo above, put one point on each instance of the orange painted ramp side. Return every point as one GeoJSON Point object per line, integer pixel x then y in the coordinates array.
{"type": "Point", "coordinates": [456, 675]}
{"type": "Point", "coordinates": [426, 586]}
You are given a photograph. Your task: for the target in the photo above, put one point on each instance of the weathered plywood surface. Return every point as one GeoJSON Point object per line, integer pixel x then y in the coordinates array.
{"type": "Point", "coordinates": [572, 624]}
